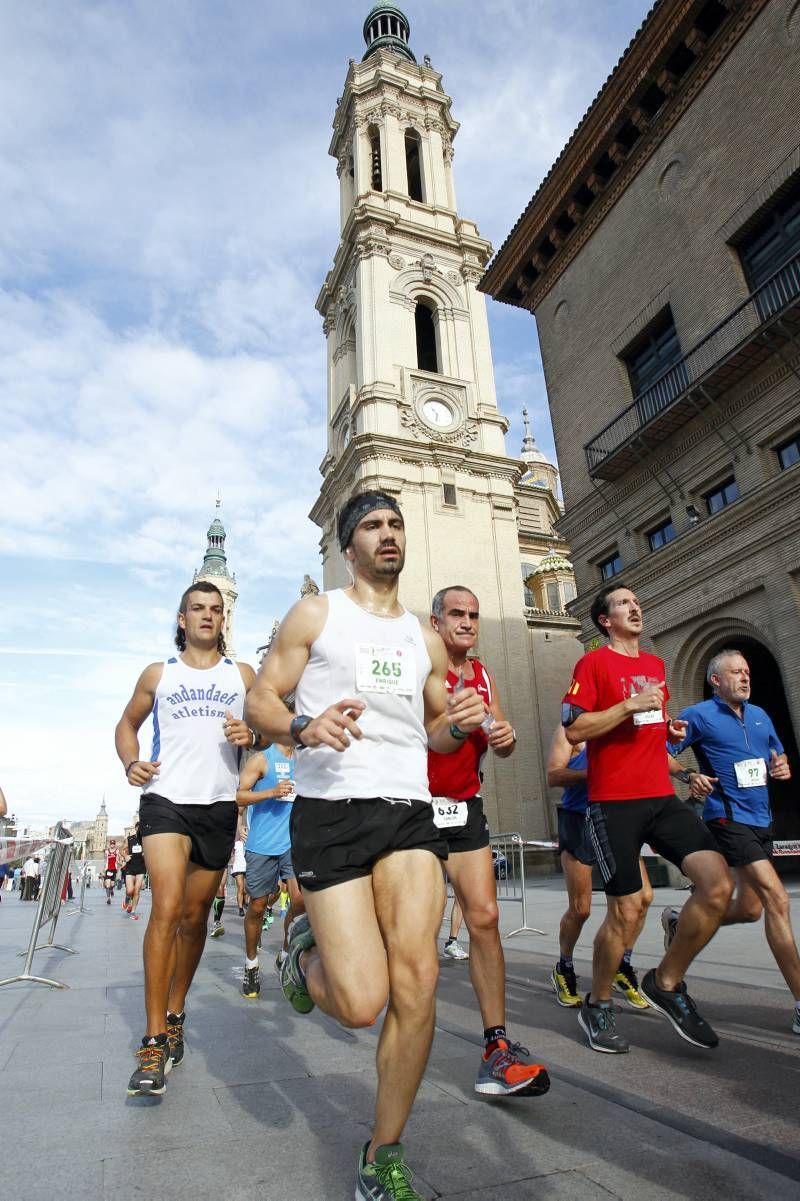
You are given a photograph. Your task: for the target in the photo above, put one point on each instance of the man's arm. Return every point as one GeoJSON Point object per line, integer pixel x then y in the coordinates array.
{"type": "Point", "coordinates": [253, 770]}
{"type": "Point", "coordinates": [559, 773]}
{"type": "Point", "coordinates": [126, 734]}
{"type": "Point", "coordinates": [501, 737]}
{"type": "Point", "coordinates": [462, 711]}
{"type": "Point", "coordinates": [581, 726]}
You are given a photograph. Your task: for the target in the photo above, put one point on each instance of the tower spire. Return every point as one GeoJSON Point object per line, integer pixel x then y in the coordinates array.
{"type": "Point", "coordinates": [387, 28]}
{"type": "Point", "coordinates": [530, 451]}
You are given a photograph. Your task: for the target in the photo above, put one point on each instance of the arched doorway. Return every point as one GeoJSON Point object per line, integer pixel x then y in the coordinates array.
{"type": "Point", "coordinates": [767, 691]}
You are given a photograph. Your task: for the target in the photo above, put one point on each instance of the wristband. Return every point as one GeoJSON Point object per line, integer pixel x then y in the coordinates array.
{"type": "Point", "coordinates": [130, 765]}
{"type": "Point", "coordinates": [254, 737]}
{"type": "Point", "coordinates": [456, 733]}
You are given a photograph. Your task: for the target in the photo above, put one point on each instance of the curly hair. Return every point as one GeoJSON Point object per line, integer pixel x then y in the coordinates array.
{"type": "Point", "coordinates": [180, 633]}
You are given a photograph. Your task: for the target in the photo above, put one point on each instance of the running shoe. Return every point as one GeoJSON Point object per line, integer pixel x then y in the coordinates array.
{"type": "Point", "coordinates": [154, 1064]}
{"type": "Point", "coordinates": [279, 958]}
{"type": "Point", "coordinates": [267, 922]}
{"type": "Point", "coordinates": [108, 900]}
{"type": "Point", "coordinates": [796, 1023]}
{"type": "Point", "coordinates": [293, 981]}
{"type": "Point", "coordinates": [251, 985]}
{"type": "Point", "coordinates": [599, 1024]}
{"type": "Point", "coordinates": [679, 1008]}
{"type": "Point", "coordinates": [126, 907]}
{"type": "Point", "coordinates": [387, 1179]}
{"type": "Point", "coordinates": [216, 930]}
{"type": "Point", "coordinates": [565, 986]}
{"type": "Point", "coordinates": [626, 982]}
{"type": "Point", "coordinates": [454, 950]}
{"type": "Point", "coordinates": [669, 921]}
{"type": "Point", "coordinates": [504, 1072]}
{"type": "Point", "coordinates": [175, 1037]}
{"type": "Point", "coordinates": [241, 911]}
{"type": "Point", "coordinates": [135, 916]}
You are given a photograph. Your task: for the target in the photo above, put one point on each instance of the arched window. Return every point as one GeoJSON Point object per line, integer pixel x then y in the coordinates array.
{"type": "Point", "coordinates": [376, 173]}
{"type": "Point", "coordinates": [414, 165]}
{"type": "Point", "coordinates": [427, 357]}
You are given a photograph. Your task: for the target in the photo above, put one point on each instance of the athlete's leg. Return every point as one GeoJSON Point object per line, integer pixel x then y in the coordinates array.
{"type": "Point", "coordinates": [700, 917]}
{"type": "Point", "coordinates": [745, 904]}
{"type": "Point", "coordinates": [456, 918]}
{"type": "Point", "coordinates": [240, 890]}
{"type": "Point", "coordinates": [623, 920]}
{"type": "Point", "coordinates": [167, 859]}
{"type": "Point", "coordinates": [765, 882]}
{"type": "Point", "coordinates": [253, 918]}
{"type": "Point", "coordinates": [296, 907]}
{"type": "Point", "coordinates": [136, 891]}
{"type": "Point", "coordinates": [472, 876]}
{"type": "Point", "coordinates": [201, 885]}
{"type": "Point", "coordinates": [409, 902]}
{"type": "Point", "coordinates": [578, 879]}
{"type": "Point", "coordinates": [129, 889]}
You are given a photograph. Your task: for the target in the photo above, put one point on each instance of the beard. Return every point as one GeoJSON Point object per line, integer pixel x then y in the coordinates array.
{"type": "Point", "coordinates": [389, 567]}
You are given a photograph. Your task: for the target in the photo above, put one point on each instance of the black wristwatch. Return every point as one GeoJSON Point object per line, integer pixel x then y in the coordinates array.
{"type": "Point", "coordinates": [298, 724]}
{"type": "Point", "coordinates": [686, 775]}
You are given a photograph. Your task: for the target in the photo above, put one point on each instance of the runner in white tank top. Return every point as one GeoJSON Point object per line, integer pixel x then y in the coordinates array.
{"type": "Point", "coordinates": [370, 698]}
{"type": "Point", "coordinates": [188, 810]}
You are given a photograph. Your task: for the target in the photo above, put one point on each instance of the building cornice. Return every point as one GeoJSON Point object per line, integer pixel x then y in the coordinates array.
{"type": "Point", "coordinates": [619, 134]}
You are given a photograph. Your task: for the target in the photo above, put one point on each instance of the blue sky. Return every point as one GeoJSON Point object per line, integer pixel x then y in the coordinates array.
{"type": "Point", "coordinates": [169, 211]}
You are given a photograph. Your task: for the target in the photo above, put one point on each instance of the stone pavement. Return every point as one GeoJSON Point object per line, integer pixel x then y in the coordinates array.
{"type": "Point", "coordinates": [271, 1106]}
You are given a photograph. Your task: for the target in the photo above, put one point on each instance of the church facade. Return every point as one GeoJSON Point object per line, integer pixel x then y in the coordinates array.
{"type": "Point", "coordinates": [412, 409]}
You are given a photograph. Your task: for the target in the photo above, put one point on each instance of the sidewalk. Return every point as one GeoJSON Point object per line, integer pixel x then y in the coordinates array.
{"type": "Point", "coordinates": [271, 1106]}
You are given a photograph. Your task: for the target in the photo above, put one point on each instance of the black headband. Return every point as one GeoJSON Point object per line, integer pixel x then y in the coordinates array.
{"type": "Point", "coordinates": [357, 510]}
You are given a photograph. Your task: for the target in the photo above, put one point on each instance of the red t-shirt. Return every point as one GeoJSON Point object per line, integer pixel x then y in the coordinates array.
{"type": "Point", "coordinates": [111, 861]}
{"type": "Point", "coordinates": [631, 762]}
{"type": "Point", "coordinates": [459, 775]}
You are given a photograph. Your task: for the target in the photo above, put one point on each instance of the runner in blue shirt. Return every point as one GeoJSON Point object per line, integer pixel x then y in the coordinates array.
{"type": "Point", "coordinates": [266, 785]}
{"type": "Point", "coordinates": [737, 750]}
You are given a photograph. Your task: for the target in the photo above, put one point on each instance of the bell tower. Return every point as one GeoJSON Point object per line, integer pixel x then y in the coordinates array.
{"type": "Point", "coordinates": [215, 571]}
{"type": "Point", "coordinates": [411, 404]}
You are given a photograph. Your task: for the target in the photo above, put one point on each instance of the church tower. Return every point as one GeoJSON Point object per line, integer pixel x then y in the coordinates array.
{"type": "Point", "coordinates": [411, 404]}
{"type": "Point", "coordinates": [215, 571]}
{"type": "Point", "coordinates": [100, 830]}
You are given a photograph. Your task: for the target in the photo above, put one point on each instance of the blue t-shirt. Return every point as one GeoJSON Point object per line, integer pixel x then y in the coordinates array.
{"type": "Point", "coordinates": [269, 819]}
{"type": "Point", "coordinates": [720, 739]}
{"type": "Point", "coordinates": [575, 797]}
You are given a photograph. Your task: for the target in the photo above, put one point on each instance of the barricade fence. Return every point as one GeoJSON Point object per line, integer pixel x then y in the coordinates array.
{"type": "Point", "coordinates": [508, 856]}
{"type": "Point", "coordinates": [21, 848]}
{"type": "Point", "coordinates": [48, 908]}
{"type": "Point", "coordinates": [80, 907]}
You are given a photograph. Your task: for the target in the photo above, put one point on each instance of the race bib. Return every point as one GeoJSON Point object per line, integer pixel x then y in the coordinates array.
{"type": "Point", "coordinates": [449, 814]}
{"type": "Point", "coordinates": [650, 717]}
{"type": "Point", "coordinates": [751, 773]}
{"type": "Point", "coordinates": [136, 849]}
{"type": "Point", "coordinates": [385, 669]}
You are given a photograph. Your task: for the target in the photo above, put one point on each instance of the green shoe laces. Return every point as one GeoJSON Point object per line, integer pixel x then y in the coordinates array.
{"type": "Point", "coordinates": [396, 1179]}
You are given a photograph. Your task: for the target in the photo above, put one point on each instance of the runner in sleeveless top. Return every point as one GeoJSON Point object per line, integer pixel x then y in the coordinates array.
{"type": "Point", "coordinates": [134, 873]}
{"type": "Point", "coordinates": [266, 789]}
{"type": "Point", "coordinates": [239, 868]}
{"type": "Point", "coordinates": [617, 704]}
{"type": "Point", "coordinates": [455, 784]}
{"type": "Point", "coordinates": [187, 812]}
{"type": "Point", "coordinates": [370, 698]}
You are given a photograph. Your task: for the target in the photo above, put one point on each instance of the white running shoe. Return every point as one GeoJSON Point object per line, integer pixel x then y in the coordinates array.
{"type": "Point", "coordinates": [796, 1023]}
{"type": "Point", "coordinates": [454, 950]}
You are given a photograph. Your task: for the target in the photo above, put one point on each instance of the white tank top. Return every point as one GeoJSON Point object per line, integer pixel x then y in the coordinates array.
{"type": "Point", "coordinates": [382, 661]}
{"type": "Point", "coordinates": [198, 764]}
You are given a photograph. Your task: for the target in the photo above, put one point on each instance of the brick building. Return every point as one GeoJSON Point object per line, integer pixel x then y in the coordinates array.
{"type": "Point", "coordinates": [661, 257]}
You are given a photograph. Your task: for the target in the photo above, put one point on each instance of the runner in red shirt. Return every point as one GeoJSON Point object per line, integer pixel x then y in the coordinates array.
{"type": "Point", "coordinates": [455, 784]}
{"type": "Point", "coordinates": [616, 703]}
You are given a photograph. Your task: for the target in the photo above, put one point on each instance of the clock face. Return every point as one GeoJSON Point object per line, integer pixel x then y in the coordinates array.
{"type": "Point", "coordinates": [436, 412]}
{"type": "Point", "coordinates": [346, 434]}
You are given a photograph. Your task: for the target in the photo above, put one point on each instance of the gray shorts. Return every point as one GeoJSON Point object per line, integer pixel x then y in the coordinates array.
{"type": "Point", "coordinates": [264, 872]}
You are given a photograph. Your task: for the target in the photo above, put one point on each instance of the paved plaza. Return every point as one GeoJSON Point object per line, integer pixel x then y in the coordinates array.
{"type": "Point", "coordinates": [271, 1106]}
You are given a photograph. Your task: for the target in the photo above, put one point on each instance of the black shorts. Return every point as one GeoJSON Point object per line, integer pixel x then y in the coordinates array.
{"type": "Point", "coordinates": [741, 844]}
{"type": "Point", "coordinates": [211, 828]}
{"type": "Point", "coordinates": [336, 841]}
{"type": "Point", "coordinates": [573, 836]}
{"type": "Point", "coordinates": [618, 830]}
{"type": "Point", "coordinates": [473, 835]}
{"type": "Point", "coordinates": [135, 866]}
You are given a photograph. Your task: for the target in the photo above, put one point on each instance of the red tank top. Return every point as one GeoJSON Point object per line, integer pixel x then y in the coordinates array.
{"type": "Point", "coordinates": [458, 775]}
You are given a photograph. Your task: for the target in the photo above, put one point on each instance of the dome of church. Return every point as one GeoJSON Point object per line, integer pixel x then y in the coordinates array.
{"type": "Point", "coordinates": [387, 28]}
{"type": "Point", "coordinates": [550, 563]}
{"type": "Point", "coordinates": [216, 529]}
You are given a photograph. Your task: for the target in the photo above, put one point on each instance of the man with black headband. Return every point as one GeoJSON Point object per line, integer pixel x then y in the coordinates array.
{"type": "Point", "coordinates": [370, 700]}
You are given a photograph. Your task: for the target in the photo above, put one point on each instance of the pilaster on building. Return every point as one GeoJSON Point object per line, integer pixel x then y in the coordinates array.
{"type": "Point", "coordinates": [411, 401]}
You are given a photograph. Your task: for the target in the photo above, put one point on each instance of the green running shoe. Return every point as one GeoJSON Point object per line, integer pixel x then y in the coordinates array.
{"type": "Point", "coordinates": [387, 1179]}
{"type": "Point", "coordinates": [293, 980]}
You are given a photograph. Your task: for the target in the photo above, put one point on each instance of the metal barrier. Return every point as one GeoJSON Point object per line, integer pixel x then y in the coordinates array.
{"type": "Point", "coordinates": [80, 907]}
{"type": "Point", "coordinates": [508, 855]}
{"type": "Point", "coordinates": [48, 909]}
